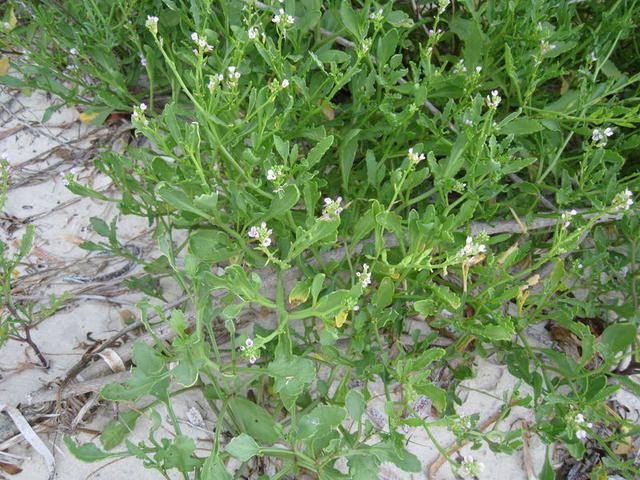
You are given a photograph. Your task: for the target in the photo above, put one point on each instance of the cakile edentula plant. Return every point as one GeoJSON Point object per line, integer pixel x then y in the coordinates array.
{"type": "Point", "coordinates": [400, 189]}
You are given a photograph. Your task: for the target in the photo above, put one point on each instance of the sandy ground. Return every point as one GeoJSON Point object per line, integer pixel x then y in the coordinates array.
{"type": "Point", "coordinates": [61, 219]}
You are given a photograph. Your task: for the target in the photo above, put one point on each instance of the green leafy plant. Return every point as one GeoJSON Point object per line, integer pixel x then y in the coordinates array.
{"type": "Point", "coordinates": [375, 177]}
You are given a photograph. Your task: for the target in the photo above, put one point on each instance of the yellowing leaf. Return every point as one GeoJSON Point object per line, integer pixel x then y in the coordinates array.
{"type": "Point", "coordinates": [341, 318]}
{"type": "Point", "coordinates": [87, 117]}
{"type": "Point", "coordinates": [13, 21]}
{"type": "Point", "coordinates": [4, 66]}
{"type": "Point", "coordinates": [329, 112]}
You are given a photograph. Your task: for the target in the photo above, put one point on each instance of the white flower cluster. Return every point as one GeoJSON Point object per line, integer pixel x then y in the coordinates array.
{"type": "Point", "coordinates": [471, 248]}
{"type": "Point", "coordinates": [566, 217]}
{"type": "Point", "coordinates": [248, 350]}
{"type": "Point", "coordinates": [365, 46]}
{"type": "Point", "coordinates": [546, 47]}
{"type": "Point", "coordinates": [494, 100]}
{"type": "Point", "coordinates": [277, 175]}
{"type": "Point", "coordinates": [601, 136]}
{"type": "Point", "coordinates": [461, 66]}
{"type": "Point", "coordinates": [262, 234]}
{"type": "Point", "coordinates": [201, 42]}
{"type": "Point", "coordinates": [273, 175]}
{"type": "Point", "coordinates": [470, 467]}
{"type": "Point", "coordinates": [364, 276]}
{"type": "Point", "coordinates": [414, 157]}
{"type": "Point", "coordinates": [69, 176]}
{"type": "Point", "coordinates": [579, 420]}
{"type": "Point", "coordinates": [233, 75]}
{"type": "Point", "coordinates": [283, 19]}
{"type": "Point", "coordinates": [332, 208]}
{"type": "Point", "coordinates": [213, 81]}
{"type": "Point", "coordinates": [138, 114]}
{"type": "Point", "coordinates": [442, 6]}
{"type": "Point", "coordinates": [377, 16]}
{"type": "Point", "coordinates": [623, 201]}
{"type": "Point", "coordinates": [152, 24]}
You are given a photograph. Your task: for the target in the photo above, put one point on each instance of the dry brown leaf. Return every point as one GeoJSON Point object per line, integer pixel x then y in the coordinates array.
{"type": "Point", "coordinates": [72, 239]}
{"type": "Point", "coordinates": [112, 359]}
{"type": "Point", "coordinates": [127, 317]}
{"type": "Point", "coordinates": [10, 468]}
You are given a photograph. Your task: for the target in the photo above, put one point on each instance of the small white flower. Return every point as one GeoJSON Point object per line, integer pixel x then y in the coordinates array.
{"type": "Point", "coordinates": [600, 136]}
{"type": "Point", "coordinates": [468, 122]}
{"type": "Point", "coordinates": [581, 434]}
{"type": "Point", "coordinates": [364, 276]}
{"type": "Point", "coordinates": [478, 69]}
{"type": "Point", "coordinates": [623, 201]}
{"type": "Point", "coordinates": [546, 47]}
{"type": "Point", "coordinates": [592, 57]}
{"type": "Point", "coordinates": [4, 156]}
{"type": "Point", "coordinates": [271, 175]}
{"type": "Point", "coordinates": [332, 208]}
{"type": "Point", "coordinates": [470, 467]}
{"type": "Point", "coordinates": [285, 83]}
{"type": "Point", "coordinates": [471, 248]}
{"type": "Point", "coordinates": [276, 19]}
{"type": "Point", "coordinates": [152, 23]}
{"type": "Point", "coordinates": [261, 233]}
{"type": "Point", "coordinates": [73, 51]}
{"type": "Point", "coordinates": [252, 33]}
{"type": "Point", "coordinates": [194, 37]}
{"type": "Point", "coordinates": [442, 6]}
{"type": "Point", "coordinates": [596, 135]}
{"type": "Point", "coordinates": [414, 157]}
{"type": "Point", "coordinates": [377, 16]}
{"type": "Point", "coordinates": [566, 217]}
{"type": "Point", "coordinates": [248, 342]}
{"type": "Point", "coordinates": [252, 359]}
{"type": "Point", "coordinates": [494, 100]}
{"type": "Point", "coordinates": [143, 60]}
{"type": "Point", "coordinates": [143, 106]}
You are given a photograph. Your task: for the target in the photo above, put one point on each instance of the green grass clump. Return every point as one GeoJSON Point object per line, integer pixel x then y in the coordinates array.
{"type": "Point", "coordinates": [470, 165]}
